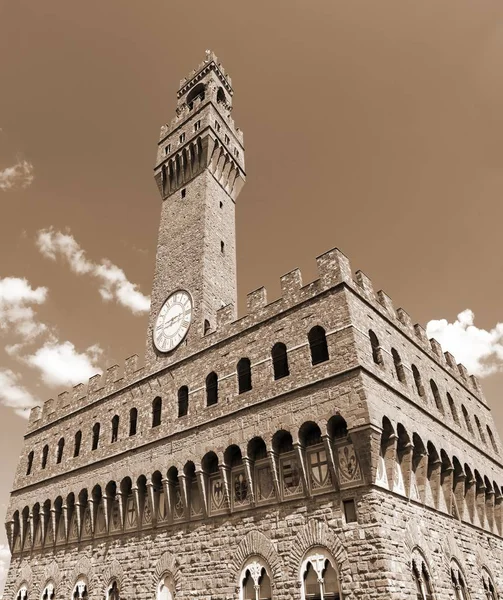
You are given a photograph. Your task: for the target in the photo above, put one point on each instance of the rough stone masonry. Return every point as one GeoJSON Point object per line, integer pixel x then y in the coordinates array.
{"type": "Point", "coordinates": [319, 447]}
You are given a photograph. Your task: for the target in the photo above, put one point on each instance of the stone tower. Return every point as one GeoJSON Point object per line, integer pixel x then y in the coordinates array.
{"type": "Point", "coordinates": [199, 172]}
{"type": "Point", "coordinates": [320, 447]}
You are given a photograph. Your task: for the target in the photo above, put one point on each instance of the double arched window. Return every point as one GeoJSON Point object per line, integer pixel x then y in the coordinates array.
{"type": "Point", "coordinates": [458, 582]}
{"type": "Point", "coordinates": [113, 591]}
{"type": "Point", "coordinates": [133, 421]}
{"type": "Point", "coordinates": [280, 361]}
{"type": "Point", "coordinates": [77, 443]}
{"type": "Point", "coordinates": [96, 436]}
{"type": "Point", "coordinates": [489, 589]}
{"type": "Point", "coordinates": [397, 361]}
{"type": "Point", "coordinates": [183, 401]}
{"type": "Point", "coordinates": [80, 591]}
{"type": "Point", "coordinates": [421, 576]}
{"type": "Point", "coordinates": [255, 583]}
{"type": "Point", "coordinates": [29, 467]}
{"type": "Point", "coordinates": [115, 428]}
{"type": "Point", "coordinates": [22, 593]}
{"type": "Point", "coordinates": [318, 576]}
{"type": "Point", "coordinates": [376, 349]}
{"type": "Point", "coordinates": [211, 389]}
{"type": "Point", "coordinates": [165, 588]}
{"type": "Point", "coordinates": [318, 345]}
{"type": "Point", "coordinates": [59, 452]}
{"type": "Point", "coordinates": [244, 375]}
{"type": "Point", "coordinates": [156, 412]}
{"type": "Point", "coordinates": [49, 591]}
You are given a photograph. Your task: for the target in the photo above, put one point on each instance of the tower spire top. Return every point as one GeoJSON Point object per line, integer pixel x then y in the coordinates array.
{"type": "Point", "coordinates": [209, 63]}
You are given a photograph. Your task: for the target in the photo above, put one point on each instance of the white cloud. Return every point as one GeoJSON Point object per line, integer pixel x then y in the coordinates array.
{"type": "Point", "coordinates": [481, 351]}
{"type": "Point", "coordinates": [4, 565]}
{"type": "Point", "coordinates": [113, 282]}
{"type": "Point", "coordinates": [19, 175]}
{"type": "Point", "coordinates": [16, 298]}
{"type": "Point", "coordinates": [14, 395]}
{"type": "Point", "coordinates": [61, 364]}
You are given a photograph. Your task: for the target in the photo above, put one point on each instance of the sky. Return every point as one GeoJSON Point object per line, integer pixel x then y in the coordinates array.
{"type": "Point", "coordinates": [374, 127]}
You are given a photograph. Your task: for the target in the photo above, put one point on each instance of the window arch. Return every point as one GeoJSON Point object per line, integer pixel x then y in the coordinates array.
{"type": "Point", "coordinates": [59, 453]}
{"type": "Point", "coordinates": [77, 443]}
{"type": "Point", "coordinates": [96, 436]}
{"type": "Point", "coordinates": [244, 375]}
{"type": "Point", "coordinates": [491, 437]}
{"type": "Point", "coordinates": [183, 401]}
{"type": "Point", "coordinates": [80, 591]}
{"type": "Point", "coordinates": [49, 591]}
{"type": "Point", "coordinates": [436, 396]}
{"type": "Point", "coordinates": [466, 418]}
{"type": "Point", "coordinates": [397, 361]}
{"type": "Point", "coordinates": [376, 348]}
{"type": "Point", "coordinates": [418, 381]}
{"type": "Point", "coordinates": [458, 582]}
{"type": "Point", "coordinates": [156, 411]}
{"type": "Point", "coordinates": [489, 589]}
{"type": "Point", "coordinates": [133, 421]}
{"type": "Point", "coordinates": [115, 428]}
{"type": "Point", "coordinates": [421, 576]}
{"type": "Point", "coordinates": [29, 466]}
{"type": "Point", "coordinates": [166, 588]}
{"type": "Point", "coordinates": [318, 576]}
{"type": "Point", "coordinates": [255, 582]}
{"type": "Point", "coordinates": [211, 389]}
{"type": "Point", "coordinates": [318, 345]}
{"type": "Point", "coordinates": [453, 409]}
{"type": "Point", "coordinates": [280, 361]}
{"type": "Point", "coordinates": [196, 92]}
{"type": "Point", "coordinates": [45, 454]}
{"type": "Point", "coordinates": [113, 591]}
{"type": "Point", "coordinates": [22, 593]}
{"type": "Point", "coordinates": [479, 429]}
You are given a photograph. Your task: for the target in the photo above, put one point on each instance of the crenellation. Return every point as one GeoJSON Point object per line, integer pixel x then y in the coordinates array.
{"type": "Point", "coordinates": [405, 320]}
{"type": "Point", "coordinates": [256, 300]}
{"type": "Point", "coordinates": [464, 372]}
{"type": "Point", "coordinates": [226, 315]}
{"type": "Point", "coordinates": [95, 384]}
{"type": "Point", "coordinates": [386, 302]}
{"type": "Point", "coordinates": [450, 361]}
{"type": "Point", "coordinates": [476, 384]}
{"type": "Point", "coordinates": [130, 367]}
{"type": "Point", "coordinates": [291, 284]}
{"type": "Point", "coordinates": [421, 335]}
{"type": "Point", "coordinates": [436, 348]}
{"type": "Point", "coordinates": [334, 268]}
{"type": "Point", "coordinates": [111, 377]}
{"type": "Point", "coordinates": [366, 285]}
{"type": "Point", "coordinates": [64, 399]}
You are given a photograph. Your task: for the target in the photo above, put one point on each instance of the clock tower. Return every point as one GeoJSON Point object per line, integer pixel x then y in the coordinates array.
{"type": "Point", "coordinates": [199, 172]}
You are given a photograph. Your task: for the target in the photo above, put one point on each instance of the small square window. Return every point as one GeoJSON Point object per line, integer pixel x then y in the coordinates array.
{"type": "Point", "coordinates": [227, 139]}
{"type": "Point", "coordinates": [350, 511]}
{"type": "Point", "coordinates": [221, 204]}
{"type": "Point", "coordinates": [197, 125]}
{"type": "Point", "coordinates": [236, 152]}
{"type": "Point", "coordinates": [184, 191]}
{"type": "Point", "coordinates": [217, 126]}
{"type": "Point", "coordinates": [222, 247]}
{"type": "Point", "coordinates": [167, 149]}
{"type": "Point", "coordinates": [182, 138]}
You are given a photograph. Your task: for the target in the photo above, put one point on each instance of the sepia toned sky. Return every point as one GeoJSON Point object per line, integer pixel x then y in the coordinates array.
{"type": "Point", "coordinates": [376, 127]}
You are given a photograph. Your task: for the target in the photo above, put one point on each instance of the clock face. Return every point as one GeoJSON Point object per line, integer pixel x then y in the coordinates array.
{"type": "Point", "coordinates": [173, 321]}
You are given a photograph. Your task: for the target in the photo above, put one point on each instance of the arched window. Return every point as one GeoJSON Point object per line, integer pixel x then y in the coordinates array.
{"type": "Point", "coordinates": [280, 360]}
{"type": "Point", "coordinates": [22, 593]}
{"type": "Point", "coordinates": [59, 453]}
{"type": "Point", "coordinates": [77, 443]}
{"type": "Point", "coordinates": [156, 412]}
{"type": "Point", "coordinates": [458, 582]}
{"type": "Point", "coordinates": [198, 91]}
{"type": "Point", "coordinates": [29, 466]}
{"type": "Point", "coordinates": [376, 348]}
{"type": "Point", "coordinates": [113, 591]}
{"type": "Point", "coordinates": [255, 583]}
{"type": "Point", "coordinates": [489, 589]}
{"type": "Point", "coordinates": [436, 396]}
{"type": "Point", "coordinates": [96, 436]}
{"type": "Point", "coordinates": [466, 418]}
{"type": "Point", "coordinates": [211, 389]}
{"type": "Point", "coordinates": [319, 579]}
{"type": "Point", "coordinates": [133, 421]}
{"type": "Point", "coordinates": [45, 454]}
{"type": "Point", "coordinates": [49, 592]}
{"type": "Point", "coordinates": [207, 326]}
{"type": "Point", "coordinates": [318, 345]}
{"type": "Point", "coordinates": [115, 428]}
{"type": "Point", "coordinates": [80, 590]}
{"type": "Point", "coordinates": [397, 361]}
{"type": "Point", "coordinates": [166, 588]}
{"type": "Point", "coordinates": [421, 577]}
{"type": "Point", "coordinates": [452, 407]}
{"type": "Point", "coordinates": [418, 381]}
{"type": "Point", "coordinates": [491, 437]}
{"type": "Point", "coordinates": [479, 429]}
{"type": "Point", "coordinates": [183, 401]}
{"type": "Point", "coordinates": [244, 375]}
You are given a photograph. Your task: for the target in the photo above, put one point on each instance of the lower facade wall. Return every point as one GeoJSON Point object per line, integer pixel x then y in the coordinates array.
{"type": "Point", "coordinates": [205, 559]}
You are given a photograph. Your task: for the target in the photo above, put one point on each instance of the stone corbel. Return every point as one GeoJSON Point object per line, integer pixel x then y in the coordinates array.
{"type": "Point", "coordinates": [459, 494]}
{"type": "Point", "coordinates": [480, 500]}
{"type": "Point", "coordinates": [137, 505]}
{"type": "Point", "coordinates": [78, 510]}
{"type": "Point", "coordinates": [184, 493]}
{"type": "Point", "coordinates": [329, 451]}
{"type": "Point", "coordinates": [43, 525]}
{"type": "Point", "coordinates": [273, 459]}
{"type": "Point", "coordinates": [390, 459]}
{"type": "Point", "coordinates": [92, 513]}
{"type": "Point", "coordinates": [152, 499]}
{"type": "Point", "coordinates": [470, 498]}
{"type": "Point", "coordinates": [434, 467]}
{"type": "Point", "coordinates": [121, 499]}
{"type": "Point", "coordinates": [225, 473]}
{"type": "Point", "coordinates": [66, 524]}
{"type": "Point", "coordinates": [420, 467]}
{"type": "Point", "coordinates": [10, 534]}
{"type": "Point", "coordinates": [489, 508]}
{"type": "Point", "coordinates": [405, 463]}
{"type": "Point", "coordinates": [201, 484]}
{"type": "Point", "coordinates": [248, 464]}
{"type": "Point", "coordinates": [54, 520]}
{"type": "Point", "coordinates": [446, 478]}
{"type": "Point", "coordinates": [31, 523]}
{"type": "Point", "coordinates": [300, 454]}
{"type": "Point", "coordinates": [169, 498]}
{"type": "Point", "coordinates": [107, 505]}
